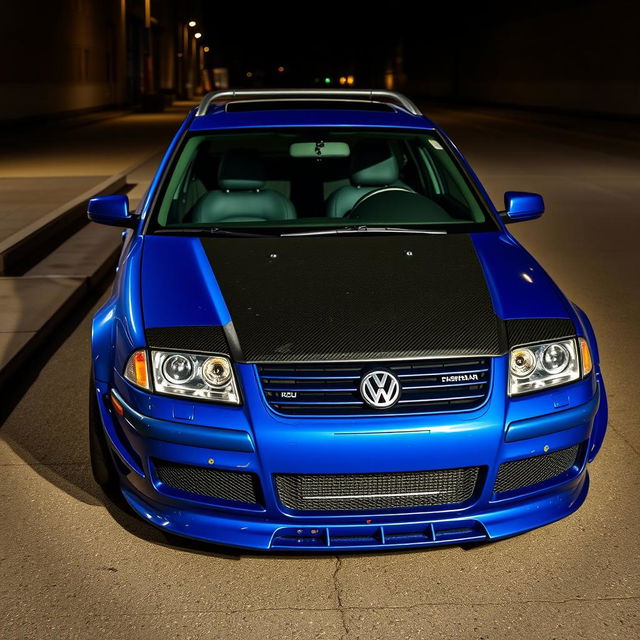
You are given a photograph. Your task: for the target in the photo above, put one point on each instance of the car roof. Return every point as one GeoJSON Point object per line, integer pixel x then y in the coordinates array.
{"type": "Point", "coordinates": [307, 108]}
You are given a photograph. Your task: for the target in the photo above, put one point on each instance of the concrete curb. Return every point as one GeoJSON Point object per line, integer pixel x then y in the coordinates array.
{"type": "Point", "coordinates": [27, 344]}
{"type": "Point", "coordinates": [31, 326]}
{"type": "Point", "coordinates": [27, 247]}
{"type": "Point", "coordinates": [31, 342]}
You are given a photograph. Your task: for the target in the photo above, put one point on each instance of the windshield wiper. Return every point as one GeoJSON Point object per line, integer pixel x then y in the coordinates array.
{"type": "Point", "coordinates": [365, 229]}
{"type": "Point", "coordinates": [214, 231]}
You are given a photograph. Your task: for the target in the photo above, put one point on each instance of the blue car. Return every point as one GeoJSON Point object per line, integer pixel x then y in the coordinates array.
{"type": "Point", "coordinates": [323, 336]}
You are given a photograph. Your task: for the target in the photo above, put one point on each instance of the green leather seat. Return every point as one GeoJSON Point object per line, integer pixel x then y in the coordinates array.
{"type": "Point", "coordinates": [372, 166]}
{"type": "Point", "coordinates": [242, 196]}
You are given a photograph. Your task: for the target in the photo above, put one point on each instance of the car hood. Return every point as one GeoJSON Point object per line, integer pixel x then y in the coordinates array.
{"type": "Point", "coordinates": [331, 298]}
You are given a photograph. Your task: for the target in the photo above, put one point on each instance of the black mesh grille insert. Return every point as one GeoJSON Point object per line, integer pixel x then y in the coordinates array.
{"type": "Point", "coordinates": [370, 491]}
{"type": "Point", "coordinates": [427, 386]}
{"type": "Point", "coordinates": [238, 486]}
{"type": "Point", "coordinates": [528, 471]}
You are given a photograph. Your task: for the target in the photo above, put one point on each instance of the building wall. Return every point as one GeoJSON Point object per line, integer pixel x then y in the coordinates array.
{"type": "Point", "coordinates": [576, 55]}
{"type": "Point", "coordinates": [60, 56]}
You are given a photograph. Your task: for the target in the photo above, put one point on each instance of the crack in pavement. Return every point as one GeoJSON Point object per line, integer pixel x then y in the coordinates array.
{"type": "Point", "coordinates": [612, 425]}
{"type": "Point", "coordinates": [338, 592]}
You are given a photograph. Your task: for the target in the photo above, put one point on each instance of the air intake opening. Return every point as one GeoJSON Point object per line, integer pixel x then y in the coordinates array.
{"type": "Point", "coordinates": [221, 484]}
{"type": "Point", "coordinates": [518, 474]}
{"type": "Point", "coordinates": [376, 491]}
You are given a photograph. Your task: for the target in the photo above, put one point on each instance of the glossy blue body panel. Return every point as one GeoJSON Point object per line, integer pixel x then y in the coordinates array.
{"type": "Point", "coordinates": [110, 210]}
{"type": "Point", "coordinates": [521, 205]}
{"type": "Point", "coordinates": [217, 119]}
{"type": "Point", "coordinates": [519, 286]}
{"type": "Point", "coordinates": [198, 304]}
{"type": "Point", "coordinates": [152, 291]}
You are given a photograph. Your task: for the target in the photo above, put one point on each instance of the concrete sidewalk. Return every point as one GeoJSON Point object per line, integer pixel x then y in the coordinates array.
{"type": "Point", "coordinates": [43, 170]}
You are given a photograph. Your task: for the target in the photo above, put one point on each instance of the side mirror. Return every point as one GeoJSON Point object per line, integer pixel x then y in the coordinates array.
{"type": "Point", "coordinates": [111, 210]}
{"type": "Point", "coordinates": [520, 205]}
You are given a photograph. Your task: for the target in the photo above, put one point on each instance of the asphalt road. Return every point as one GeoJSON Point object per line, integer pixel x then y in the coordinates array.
{"type": "Point", "coordinates": [72, 564]}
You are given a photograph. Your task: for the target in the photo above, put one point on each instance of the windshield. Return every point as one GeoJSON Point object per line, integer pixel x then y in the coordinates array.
{"type": "Point", "coordinates": [292, 181]}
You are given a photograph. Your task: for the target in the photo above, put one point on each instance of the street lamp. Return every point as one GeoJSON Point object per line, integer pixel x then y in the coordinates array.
{"type": "Point", "coordinates": [188, 59]}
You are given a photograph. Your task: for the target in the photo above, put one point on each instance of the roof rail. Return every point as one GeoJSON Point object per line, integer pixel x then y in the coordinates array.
{"type": "Point", "coordinates": [372, 95]}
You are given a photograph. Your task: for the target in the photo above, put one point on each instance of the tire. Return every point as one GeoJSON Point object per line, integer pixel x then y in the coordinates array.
{"type": "Point", "coordinates": [102, 466]}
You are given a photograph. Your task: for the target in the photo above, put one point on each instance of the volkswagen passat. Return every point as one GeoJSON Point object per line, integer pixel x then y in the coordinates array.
{"type": "Point", "coordinates": [323, 336]}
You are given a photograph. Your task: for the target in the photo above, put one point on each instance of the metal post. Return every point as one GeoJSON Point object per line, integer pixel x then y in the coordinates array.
{"type": "Point", "coordinates": [147, 83]}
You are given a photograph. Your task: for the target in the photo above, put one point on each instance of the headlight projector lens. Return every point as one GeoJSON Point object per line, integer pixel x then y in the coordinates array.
{"type": "Point", "coordinates": [216, 372]}
{"type": "Point", "coordinates": [523, 362]}
{"type": "Point", "coordinates": [177, 369]}
{"type": "Point", "coordinates": [555, 358]}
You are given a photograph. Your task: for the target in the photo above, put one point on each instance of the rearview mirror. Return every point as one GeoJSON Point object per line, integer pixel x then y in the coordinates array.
{"type": "Point", "coordinates": [521, 205]}
{"type": "Point", "coordinates": [319, 150]}
{"type": "Point", "coordinates": [111, 210]}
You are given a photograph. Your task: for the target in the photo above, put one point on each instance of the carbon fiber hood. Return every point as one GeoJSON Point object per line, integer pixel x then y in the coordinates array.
{"type": "Point", "coordinates": [323, 298]}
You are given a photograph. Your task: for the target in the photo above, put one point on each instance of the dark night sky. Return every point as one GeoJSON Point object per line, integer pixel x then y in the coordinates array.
{"type": "Point", "coordinates": [304, 50]}
{"type": "Point", "coordinates": [318, 40]}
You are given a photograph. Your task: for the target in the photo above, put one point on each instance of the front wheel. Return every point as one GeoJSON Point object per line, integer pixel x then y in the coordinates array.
{"type": "Point", "coordinates": [102, 466]}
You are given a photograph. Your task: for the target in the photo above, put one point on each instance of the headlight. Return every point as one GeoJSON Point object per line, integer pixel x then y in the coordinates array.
{"type": "Point", "coordinates": [539, 366]}
{"type": "Point", "coordinates": [193, 375]}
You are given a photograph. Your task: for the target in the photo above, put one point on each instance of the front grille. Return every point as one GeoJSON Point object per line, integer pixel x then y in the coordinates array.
{"type": "Point", "coordinates": [517, 474]}
{"type": "Point", "coordinates": [427, 386]}
{"type": "Point", "coordinates": [238, 486]}
{"type": "Point", "coordinates": [371, 491]}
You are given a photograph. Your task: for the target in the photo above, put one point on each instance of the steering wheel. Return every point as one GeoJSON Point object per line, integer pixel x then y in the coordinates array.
{"type": "Point", "coordinates": [373, 193]}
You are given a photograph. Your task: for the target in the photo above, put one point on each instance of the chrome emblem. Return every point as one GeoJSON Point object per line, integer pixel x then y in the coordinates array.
{"type": "Point", "coordinates": [380, 389]}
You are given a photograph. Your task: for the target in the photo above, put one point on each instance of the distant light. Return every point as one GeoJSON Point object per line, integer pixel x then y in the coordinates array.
{"type": "Point", "coordinates": [206, 49]}
{"type": "Point", "coordinates": [280, 69]}
{"type": "Point", "coordinates": [343, 80]}
{"type": "Point", "coordinates": [197, 35]}
{"type": "Point", "coordinates": [527, 277]}
{"type": "Point", "coordinates": [350, 80]}
{"type": "Point", "coordinates": [249, 74]}
{"type": "Point", "coordinates": [389, 81]}
{"type": "Point", "coordinates": [192, 23]}
{"type": "Point", "coordinates": [327, 80]}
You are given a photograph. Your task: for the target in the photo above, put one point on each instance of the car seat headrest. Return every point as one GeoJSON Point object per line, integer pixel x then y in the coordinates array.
{"type": "Point", "coordinates": [241, 170]}
{"type": "Point", "coordinates": [373, 165]}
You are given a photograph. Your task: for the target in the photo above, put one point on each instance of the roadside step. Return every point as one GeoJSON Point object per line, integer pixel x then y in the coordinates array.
{"type": "Point", "coordinates": [28, 246]}
{"type": "Point", "coordinates": [34, 306]}
{"type": "Point", "coordinates": [54, 276]}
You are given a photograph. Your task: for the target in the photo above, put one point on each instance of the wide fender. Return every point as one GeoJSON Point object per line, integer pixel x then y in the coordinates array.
{"type": "Point", "coordinates": [117, 327]}
{"type": "Point", "coordinates": [602, 416]}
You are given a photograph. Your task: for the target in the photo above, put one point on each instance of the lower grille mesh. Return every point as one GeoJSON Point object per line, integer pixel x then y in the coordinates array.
{"type": "Point", "coordinates": [370, 491]}
{"type": "Point", "coordinates": [528, 471]}
{"type": "Point", "coordinates": [238, 486]}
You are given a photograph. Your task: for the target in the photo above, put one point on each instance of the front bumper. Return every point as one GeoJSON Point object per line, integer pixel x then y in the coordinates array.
{"type": "Point", "coordinates": [488, 437]}
{"type": "Point", "coordinates": [400, 532]}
